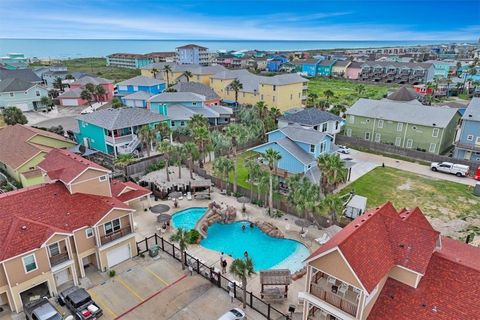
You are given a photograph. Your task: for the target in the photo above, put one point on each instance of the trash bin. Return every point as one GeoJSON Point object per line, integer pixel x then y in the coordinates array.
{"type": "Point", "coordinates": [476, 190]}
{"type": "Point", "coordinates": [153, 251]}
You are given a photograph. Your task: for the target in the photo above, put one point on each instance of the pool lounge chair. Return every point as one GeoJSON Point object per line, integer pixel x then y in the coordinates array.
{"type": "Point", "coordinates": [303, 235]}
{"type": "Point", "coordinates": [189, 196]}
{"type": "Point", "coordinates": [323, 239]}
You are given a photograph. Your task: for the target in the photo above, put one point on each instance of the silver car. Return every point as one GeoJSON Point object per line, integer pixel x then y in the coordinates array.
{"type": "Point", "coordinates": [234, 314]}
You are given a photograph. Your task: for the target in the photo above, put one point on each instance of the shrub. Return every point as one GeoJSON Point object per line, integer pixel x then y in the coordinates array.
{"type": "Point", "coordinates": [193, 236]}
{"type": "Point", "coordinates": [159, 165]}
{"type": "Point", "coordinates": [111, 273]}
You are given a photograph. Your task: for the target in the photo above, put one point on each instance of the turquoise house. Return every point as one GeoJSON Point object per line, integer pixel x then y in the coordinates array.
{"type": "Point", "coordinates": [325, 68]}
{"type": "Point", "coordinates": [114, 131]}
{"type": "Point", "coordinates": [180, 107]}
{"type": "Point", "coordinates": [21, 94]}
{"type": "Point", "coordinates": [308, 67]}
{"type": "Point", "coordinates": [299, 148]}
{"type": "Point", "coordinates": [140, 83]}
{"type": "Point", "coordinates": [441, 68]}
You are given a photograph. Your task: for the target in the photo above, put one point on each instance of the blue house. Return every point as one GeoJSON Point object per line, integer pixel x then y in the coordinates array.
{"type": "Point", "coordinates": [274, 63]}
{"type": "Point", "coordinates": [299, 148]}
{"type": "Point", "coordinates": [137, 99]}
{"type": "Point", "coordinates": [140, 83]}
{"type": "Point", "coordinates": [180, 107]}
{"type": "Point", "coordinates": [308, 67]}
{"type": "Point", "coordinates": [468, 146]}
{"type": "Point", "coordinates": [325, 68]}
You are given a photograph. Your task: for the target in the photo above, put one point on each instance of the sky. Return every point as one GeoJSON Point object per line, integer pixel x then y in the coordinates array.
{"type": "Point", "coordinates": [245, 19]}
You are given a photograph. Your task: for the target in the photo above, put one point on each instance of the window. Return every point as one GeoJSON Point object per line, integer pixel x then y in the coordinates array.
{"type": "Point", "coordinates": [194, 103]}
{"type": "Point", "coordinates": [336, 125]}
{"type": "Point", "coordinates": [54, 249]}
{"type": "Point", "coordinates": [352, 119]}
{"type": "Point", "coordinates": [112, 226]}
{"type": "Point", "coordinates": [291, 96]}
{"type": "Point", "coordinates": [273, 98]}
{"type": "Point", "coordinates": [470, 137]}
{"type": "Point", "coordinates": [378, 137]}
{"type": "Point", "coordinates": [398, 141]}
{"type": "Point", "coordinates": [37, 93]}
{"type": "Point", "coordinates": [414, 128]}
{"type": "Point", "coordinates": [173, 123]}
{"type": "Point", "coordinates": [29, 263]}
{"type": "Point", "coordinates": [409, 143]}
{"type": "Point", "coordinates": [274, 87]}
{"type": "Point", "coordinates": [312, 148]}
{"type": "Point", "coordinates": [89, 232]}
{"type": "Point", "coordinates": [11, 94]}
{"type": "Point", "coordinates": [399, 126]}
{"type": "Point", "coordinates": [322, 147]}
{"type": "Point", "coordinates": [435, 132]}
{"type": "Point", "coordinates": [367, 135]}
{"type": "Point", "coordinates": [432, 147]}
{"type": "Point", "coordinates": [182, 123]}
{"type": "Point", "coordinates": [380, 123]}
{"type": "Point", "coordinates": [349, 132]}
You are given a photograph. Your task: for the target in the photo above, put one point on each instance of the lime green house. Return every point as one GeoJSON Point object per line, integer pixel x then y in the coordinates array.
{"type": "Point", "coordinates": [23, 147]}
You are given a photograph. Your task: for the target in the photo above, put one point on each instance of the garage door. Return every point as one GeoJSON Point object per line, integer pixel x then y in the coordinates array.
{"type": "Point", "coordinates": [118, 255]}
{"type": "Point", "coordinates": [70, 102]}
{"type": "Point", "coordinates": [138, 103]}
{"type": "Point", "coordinates": [130, 103]}
{"type": "Point", "coordinates": [61, 277]}
{"type": "Point", "coordinates": [22, 106]}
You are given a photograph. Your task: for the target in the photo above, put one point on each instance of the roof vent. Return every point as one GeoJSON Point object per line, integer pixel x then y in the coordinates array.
{"type": "Point", "coordinates": [363, 220]}
{"type": "Point", "coordinates": [357, 225]}
{"type": "Point", "coordinates": [470, 116]}
{"type": "Point", "coordinates": [369, 214]}
{"type": "Point", "coordinates": [423, 305]}
{"type": "Point", "coordinates": [401, 245]}
{"type": "Point", "coordinates": [24, 227]}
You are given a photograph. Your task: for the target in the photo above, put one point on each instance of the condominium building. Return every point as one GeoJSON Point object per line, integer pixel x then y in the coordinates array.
{"type": "Point", "coordinates": [192, 54]}
{"type": "Point", "coordinates": [137, 61]}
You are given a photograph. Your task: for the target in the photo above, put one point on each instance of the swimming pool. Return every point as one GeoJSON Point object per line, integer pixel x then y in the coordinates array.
{"type": "Point", "coordinates": [266, 252]}
{"type": "Point", "coordinates": [187, 219]}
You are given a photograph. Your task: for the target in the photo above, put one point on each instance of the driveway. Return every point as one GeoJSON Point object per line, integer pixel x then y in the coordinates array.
{"type": "Point", "coordinates": [366, 162]}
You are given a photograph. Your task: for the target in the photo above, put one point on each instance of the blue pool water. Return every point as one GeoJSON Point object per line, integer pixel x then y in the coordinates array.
{"type": "Point", "coordinates": [266, 252]}
{"type": "Point", "coordinates": [187, 219]}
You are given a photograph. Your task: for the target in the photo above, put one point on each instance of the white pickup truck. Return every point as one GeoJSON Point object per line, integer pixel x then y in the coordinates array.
{"type": "Point", "coordinates": [459, 170]}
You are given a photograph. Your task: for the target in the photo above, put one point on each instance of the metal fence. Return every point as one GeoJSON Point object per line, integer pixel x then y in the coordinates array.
{"type": "Point", "coordinates": [394, 150]}
{"type": "Point", "coordinates": [209, 273]}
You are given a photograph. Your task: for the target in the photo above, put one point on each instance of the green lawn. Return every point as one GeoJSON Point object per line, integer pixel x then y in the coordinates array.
{"type": "Point", "coordinates": [2, 122]}
{"type": "Point", "coordinates": [344, 90]}
{"type": "Point", "coordinates": [242, 171]}
{"type": "Point", "coordinates": [97, 66]}
{"type": "Point", "coordinates": [440, 199]}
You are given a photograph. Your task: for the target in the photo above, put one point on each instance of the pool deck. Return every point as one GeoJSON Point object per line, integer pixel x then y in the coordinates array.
{"type": "Point", "coordinates": [146, 225]}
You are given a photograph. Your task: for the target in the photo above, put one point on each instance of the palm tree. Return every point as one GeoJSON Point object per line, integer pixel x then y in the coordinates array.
{"type": "Point", "coordinates": [253, 173]}
{"type": "Point", "coordinates": [46, 101]}
{"type": "Point", "coordinates": [272, 157]}
{"type": "Point", "coordinates": [116, 103]}
{"type": "Point", "coordinates": [180, 155]}
{"type": "Point", "coordinates": [275, 113]}
{"type": "Point", "coordinates": [333, 203]}
{"type": "Point", "coordinates": [328, 94]}
{"type": "Point", "coordinates": [164, 130]}
{"type": "Point", "coordinates": [360, 89]}
{"type": "Point", "coordinates": [154, 72]}
{"type": "Point", "coordinates": [261, 108]}
{"type": "Point", "coordinates": [147, 136]}
{"type": "Point", "coordinates": [69, 77]}
{"type": "Point", "coordinates": [243, 269]}
{"type": "Point", "coordinates": [124, 160]}
{"type": "Point", "coordinates": [193, 154]}
{"type": "Point", "coordinates": [201, 136]}
{"type": "Point", "coordinates": [100, 92]}
{"type": "Point", "coordinates": [236, 86]}
{"type": "Point", "coordinates": [181, 237]}
{"type": "Point", "coordinates": [197, 120]}
{"type": "Point", "coordinates": [263, 185]}
{"type": "Point", "coordinates": [222, 166]}
{"type": "Point", "coordinates": [432, 85]}
{"type": "Point", "coordinates": [237, 135]}
{"type": "Point", "coordinates": [187, 74]}
{"type": "Point", "coordinates": [167, 69]}
{"type": "Point", "coordinates": [166, 148]}
{"type": "Point", "coordinates": [332, 170]}
{"type": "Point", "coordinates": [90, 87]}
{"type": "Point", "coordinates": [312, 99]}
{"type": "Point", "coordinates": [86, 95]}
{"type": "Point", "coordinates": [58, 84]}
{"type": "Point", "coordinates": [323, 104]}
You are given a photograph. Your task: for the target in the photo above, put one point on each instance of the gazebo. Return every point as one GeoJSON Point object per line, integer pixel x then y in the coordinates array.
{"type": "Point", "coordinates": [277, 278]}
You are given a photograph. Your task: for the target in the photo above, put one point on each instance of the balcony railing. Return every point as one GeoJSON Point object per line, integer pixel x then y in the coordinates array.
{"type": "Point", "coordinates": [120, 139]}
{"type": "Point", "coordinates": [347, 301]}
{"type": "Point", "coordinates": [59, 258]}
{"type": "Point", "coordinates": [468, 146]}
{"type": "Point", "coordinates": [115, 235]}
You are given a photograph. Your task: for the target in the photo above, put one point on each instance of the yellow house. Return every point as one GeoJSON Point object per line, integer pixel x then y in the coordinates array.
{"type": "Point", "coordinates": [283, 91]}
{"type": "Point", "coordinates": [23, 147]}
{"type": "Point", "coordinates": [201, 74]}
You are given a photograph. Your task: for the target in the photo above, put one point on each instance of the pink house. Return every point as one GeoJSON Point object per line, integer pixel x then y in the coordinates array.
{"type": "Point", "coordinates": [72, 97]}
{"type": "Point", "coordinates": [353, 70]}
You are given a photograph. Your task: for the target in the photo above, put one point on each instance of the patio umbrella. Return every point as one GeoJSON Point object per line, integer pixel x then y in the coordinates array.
{"type": "Point", "coordinates": [302, 223]}
{"type": "Point", "coordinates": [159, 208]}
{"type": "Point", "coordinates": [163, 218]}
{"type": "Point", "coordinates": [243, 200]}
{"type": "Point", "coordinates": [175, 195]}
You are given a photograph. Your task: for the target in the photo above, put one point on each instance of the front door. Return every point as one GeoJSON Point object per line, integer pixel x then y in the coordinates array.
{"type": "Point", "coordinates": [467, 155]}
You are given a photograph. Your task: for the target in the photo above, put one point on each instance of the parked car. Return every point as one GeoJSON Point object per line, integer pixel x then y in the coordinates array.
{"type": "Point", "coordinates": [477, 174]}
{"type": "Point", "coordinates": [343, 149]}
{"type": "Point", "coordinates": [41, 309]}
{"type": "Point", "coordinates": [79, 302]}
{"type": "Point", "coordinates": [459, 170]}
{"type": "Point", "coordinates": [234, 314]}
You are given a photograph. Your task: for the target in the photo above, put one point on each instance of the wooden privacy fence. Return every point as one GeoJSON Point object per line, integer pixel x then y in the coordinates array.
{"type": "Point", "coordinates": [211, 274]}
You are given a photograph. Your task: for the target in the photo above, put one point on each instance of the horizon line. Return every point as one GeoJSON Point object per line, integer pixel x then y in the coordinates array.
{"type": "Point", "coordinates": [237, 40]}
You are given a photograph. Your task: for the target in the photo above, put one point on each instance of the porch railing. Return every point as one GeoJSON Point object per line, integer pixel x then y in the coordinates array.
{"type": "Point", "coordinates": [115, 235]}
{"type": "Point", "coordinates": [59, 258]}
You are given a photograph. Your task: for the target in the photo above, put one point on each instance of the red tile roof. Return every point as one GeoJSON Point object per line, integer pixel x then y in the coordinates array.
{"type": "Point", "coordinates": [127, 191]}
{"type": "Point", "coordinates": [15, 147]}
{"type": "Point", "coordinates": [448, 290]}
{"type": "Point", "coordinates": [382, 238]}
{"type": "Point", "coordinates": [28, 217]}
{"type": "Point", "coordinates": [65, 166]}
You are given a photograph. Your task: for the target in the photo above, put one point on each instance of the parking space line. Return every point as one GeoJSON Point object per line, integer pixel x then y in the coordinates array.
{"type": "Point", "coordinates": [120, 280]}
{"type": "Point", "coordinates": [101, 303]}
{"type": "Point", "coordinates": [156, 276]}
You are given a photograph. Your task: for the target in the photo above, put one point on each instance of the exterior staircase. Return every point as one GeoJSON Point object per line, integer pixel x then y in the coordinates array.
{"type": "Point", "coordinates": [130, 147]}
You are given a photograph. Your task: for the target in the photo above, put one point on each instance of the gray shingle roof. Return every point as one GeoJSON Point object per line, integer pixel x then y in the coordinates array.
{"type": "Point", "coordinates": [422, 65]}
{"type": "Point", "coordinates": [198, 88]}
{"type": "Point", "coordinates": [310, 117]}
{"type": "Point", "coordinates": [22, 74]}
{"type": "Point", "coordinates": [403, 112]}
{"type": "Point", "coordinates": [301, 134]}
{"type": "Point", "coordinates": [72, 93]}
{"type": "Point", "coordinates": [327, 62]}
{"type": "Point", "coordinates": [473, 110]}
{"type": "Point", "coordinates": [342, 63]}
{"type": "Point", "coordinates": [90, 79]}
{"type": "Point", "coordinates": [222, 110]}
{"type": "Point", "coordinates": [177, 97]}
{"type": "Point", "coordinates": [112, 119]}
{"type": "Point", "coordinates": [403, 94]}
{"type": "Point", "coordinates": [193, 68]}
{"type": "Point", "coordinates": [141, 81]}
{"type": "Point", "coordinates": [178, 113]}
{"type": "Point", "coordinates": [12, 84]}
{"type": "Point", "coordinates": [295, 150]}
{"type": "Point", "coordinates": [139, 95]}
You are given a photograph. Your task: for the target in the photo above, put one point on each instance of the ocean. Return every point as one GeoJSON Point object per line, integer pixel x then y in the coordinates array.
{"type": "Point", "coordinates": [65, 48]}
